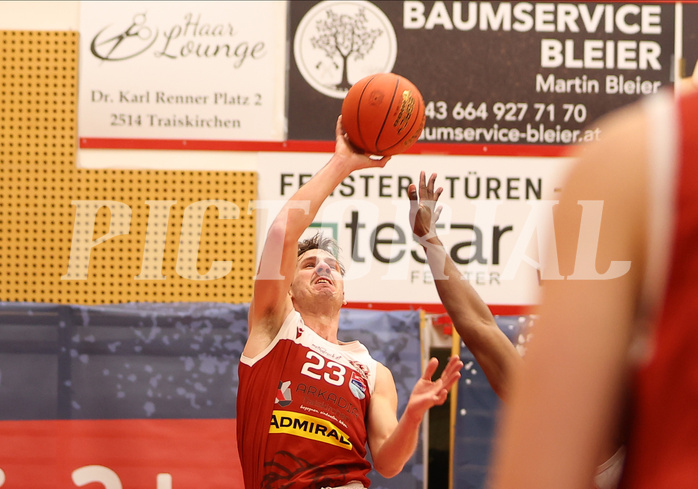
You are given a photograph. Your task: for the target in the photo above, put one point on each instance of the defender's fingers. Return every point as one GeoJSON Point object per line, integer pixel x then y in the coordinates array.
{"type": "Point", "coordinates": [430, 185]}
{"type": "Point", "coordinates": [438, 193]}
{"type": "Point", "coordinates": [430, 368]}
{"type": "Point", "coordinates": [414, 203]}
{"type": "Point", "coordinates": [453, 366]}
{"type": "Point", "coordinates": [423, 190]}
{"type": "Point", "coordinates": [449, 378]}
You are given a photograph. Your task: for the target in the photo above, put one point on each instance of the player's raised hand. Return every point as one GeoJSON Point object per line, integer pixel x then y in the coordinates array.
{"type": "Point", "coordinates": [358, 158]}
{"type": "Point", "coordinates": [423, 209]}
{"type": "Point", "coordinates": [428, 393]}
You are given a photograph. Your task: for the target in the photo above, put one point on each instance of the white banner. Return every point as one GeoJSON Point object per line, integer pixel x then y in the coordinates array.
{"type": "Point", "coordinates": [182, 70]}
{"type": "Point", "coordinates": [495, 223]}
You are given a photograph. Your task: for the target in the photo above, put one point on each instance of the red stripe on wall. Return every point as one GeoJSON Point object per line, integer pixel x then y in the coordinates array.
{"type": "Point", "coordinates": [320, 147]}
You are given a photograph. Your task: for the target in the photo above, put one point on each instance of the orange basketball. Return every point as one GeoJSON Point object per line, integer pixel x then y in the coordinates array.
{"type": "Point", "coordinates": [383, 114]}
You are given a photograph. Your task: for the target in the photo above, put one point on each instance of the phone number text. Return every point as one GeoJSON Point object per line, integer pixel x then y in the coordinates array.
{"type": "Point", "coordinates": [506, 111]}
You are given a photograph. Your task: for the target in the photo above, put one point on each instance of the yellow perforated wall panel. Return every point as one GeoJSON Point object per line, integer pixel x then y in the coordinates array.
{"type": "Point", "coordinates": [95, 236]}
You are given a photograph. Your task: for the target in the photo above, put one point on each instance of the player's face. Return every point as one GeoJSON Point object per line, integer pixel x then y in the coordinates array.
{"type": "Point", "coordinates": [318, 275]}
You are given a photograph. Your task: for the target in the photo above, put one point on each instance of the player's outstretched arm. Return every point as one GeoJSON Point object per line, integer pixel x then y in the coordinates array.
{"type": "Point", "coordinates": [392, 443]}
{"type": "Point", "coordinates": [470, 315]}
{"type": "Point", "coordinates": [270, 302]}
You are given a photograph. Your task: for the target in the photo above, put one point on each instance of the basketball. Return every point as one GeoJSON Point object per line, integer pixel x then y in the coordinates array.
{"type": "Point", "coordinates": [383, 114]}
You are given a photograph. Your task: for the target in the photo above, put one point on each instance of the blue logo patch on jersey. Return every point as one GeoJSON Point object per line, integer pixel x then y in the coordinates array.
{"type": "Point", "coordinates": [357, 386]}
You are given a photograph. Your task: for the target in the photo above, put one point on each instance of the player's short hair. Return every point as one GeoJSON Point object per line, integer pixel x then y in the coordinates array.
{"type": "Point", "coordinates": [321, 242]}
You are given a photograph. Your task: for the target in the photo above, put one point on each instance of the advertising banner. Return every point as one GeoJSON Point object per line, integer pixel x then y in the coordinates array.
{"type": "Point", "coordinates": [497, 212]}
{"type": "Point", "coordinates": [155, 72]}
{"type": "Point", "coordinates": [496, 77]}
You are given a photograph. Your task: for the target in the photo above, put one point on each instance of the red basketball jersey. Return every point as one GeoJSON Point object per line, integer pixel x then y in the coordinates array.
{"type": "Point", "coordinates": [301, 410]}
{"type": "Point", "coordinates": [663, 448]}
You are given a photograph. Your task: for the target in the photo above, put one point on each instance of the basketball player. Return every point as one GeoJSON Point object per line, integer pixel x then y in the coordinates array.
{"type": "Point", "coordinates": [307, 403]}
{"type": "Point", "coordinates": [473, 319]}
{"type": "Point", "coordinates": [569, 396]}
{"type": "Point", "coordinates": [470, 315]}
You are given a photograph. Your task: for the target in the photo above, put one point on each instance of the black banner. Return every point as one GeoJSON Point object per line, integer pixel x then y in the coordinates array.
{"type": "Point", "coordinates": [690, 38]}
{"type": "Point", "coordinates": [506, 73]}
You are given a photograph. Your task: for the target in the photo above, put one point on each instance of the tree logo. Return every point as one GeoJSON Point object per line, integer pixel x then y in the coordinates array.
{"type": "Point", "coordinates": [339, 42]}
